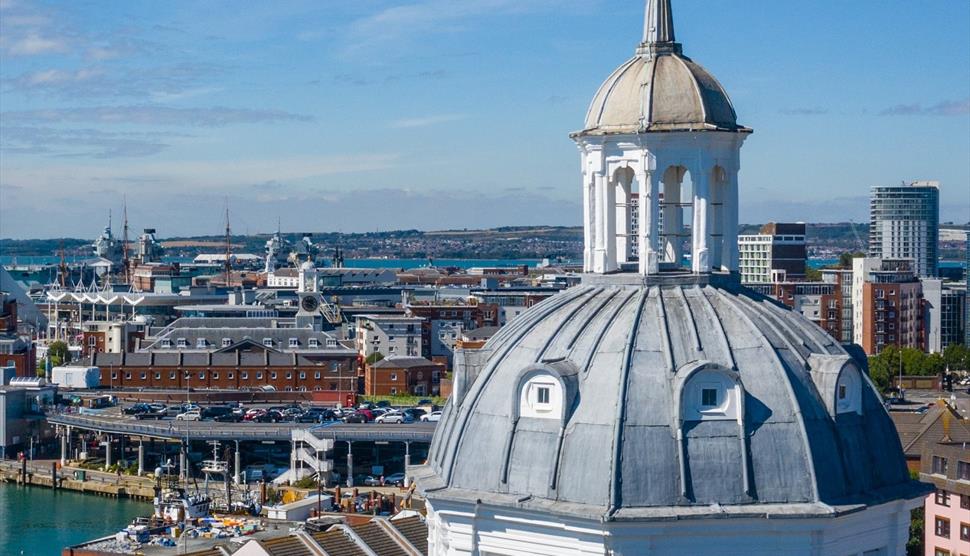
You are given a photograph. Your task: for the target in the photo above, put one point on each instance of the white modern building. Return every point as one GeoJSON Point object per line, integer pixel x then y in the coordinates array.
{"type": "Point", "coordinates": [656, 409]}
{"type": "Point", "coordinates": [904, 222]}
{"type": "Point", "coordinates": [389, 335]}
{"type": "Point", "coordinates": [777, 253]}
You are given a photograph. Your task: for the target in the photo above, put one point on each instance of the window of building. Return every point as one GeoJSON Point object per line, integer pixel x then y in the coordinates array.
{"type": "Point", "coordinates": [542, 395]}
{"type": "Point", "coordinates": [171, 375]}
{"type": "Point", "coordinates": [230, 376]}
{"type": "Point", "coordinates": [114, 376]}
{"type": "Point", "coordinates": [965, 501]}
{"type": "Point", "coordinates": [182, 342]}
{"type": "Point", "coordinates": [939, 465]}
{"type": "Point", "coordinates": [334, 367]}
{"type": "Point", "coordinates": [158, 376]}
{"type": "Point", "coordinates": [201, 375]}
{"type": "Point", "coordinates": [92, 341]}
{"type": "Point", "coordinates": [166, 343]}
{"type": "Point", "coordinates": [942, 527]}
{"type": "Point", "coordinates": [294, 342]}
{"type": "Point", "coordinates": [201, 343]}
{"type": "Point", "coordinates": [244, 375]}
{"type": "Point", "coordinates": [963, 471]}
{"type": "Point", "coordinates": [393, 391]}
{"type": "Point", "coordinates": [215, 376]}
{"type": "Point", "coordinates": [942, 498]}
{"type": "Point", "coordinates": [314, 343]}
{"type": "Point", "coordinates": [268, 342]}
{"type": "Point", "coordinates": [272, 375]}
{"type": "Point", "coordinates": [144, 376]}
{"type": "Point", "coordinates": [393, 376]}
{"type": "Point", "coordinates": [965, 532]}
{"type": "Point", "coordinates": [226, 342]}
{"type": "Point", "coordinates": [709, 397]}
{"type": "Point", "coordinates": [316, 375]}
{"type": "Point", "coordinates": [331, 343]}
{"type": "Point", "coordinates": [259, 376]}
{"type": "Point", "coordinates": [127, 376]}
{"type": "Point", "coordinates": [333, 386]}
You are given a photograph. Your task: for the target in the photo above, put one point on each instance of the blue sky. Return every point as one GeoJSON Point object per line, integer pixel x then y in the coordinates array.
{"type": "Point", "coordinates": [432, 114]}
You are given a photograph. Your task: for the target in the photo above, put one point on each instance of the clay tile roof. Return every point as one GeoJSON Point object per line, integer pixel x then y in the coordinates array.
{"type": "Point", "coordinates": [414, 530]}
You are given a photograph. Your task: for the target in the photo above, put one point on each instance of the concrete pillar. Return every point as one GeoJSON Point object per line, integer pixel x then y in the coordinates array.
{"type": "Point", "coordinates": [609, 221]}
{"type": "Point", "coordinates": [107, 452]}
{"type": "Point", "coordinates": [236, 464]}
{"type": "Point", "coordinates": [141, 457]}
{"type": "Point", "coordinates": [589, 222]}
{"type": "Point", "coordinates": [184, 463]}
{"type": "Point", "coordinates": [729, 251]}
{"type": "Point", "coordinates": [407, 463]}
{"type": "Point", "coordinates": [649, 222]}
{"type": "Point", "coordinates": [64, 447]}
{"type": "Point", "coordinates": [350, 465]}
{"type": "Point", "coordinates": [700, 261]}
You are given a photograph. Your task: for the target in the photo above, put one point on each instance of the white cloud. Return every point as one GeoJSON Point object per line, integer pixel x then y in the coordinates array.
{"type": "Point", "coordinates": [426, 121]}
{"type": "Point", "coordinates": [216, 116]}
{"type": "Point", "coordinates": [34, 44]}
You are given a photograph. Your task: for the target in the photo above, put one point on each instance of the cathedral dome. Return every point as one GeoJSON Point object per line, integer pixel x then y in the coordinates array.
{"type": "Point", "coordinates": [660, 89]}
{"type": "Point", "coordinates": [660, 93]}
{"type": "Point", "coordinates": [632, 398]}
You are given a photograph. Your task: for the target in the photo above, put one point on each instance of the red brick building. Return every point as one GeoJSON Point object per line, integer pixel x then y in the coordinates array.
{"type": "Point", "coordinates": [892, 315]}
{"type": "Point", "coordinates": [250, 366]}
{"type": "Point", "coordinates": [14, 349]}
{"type": "Point", "coordinates": [403, 375]}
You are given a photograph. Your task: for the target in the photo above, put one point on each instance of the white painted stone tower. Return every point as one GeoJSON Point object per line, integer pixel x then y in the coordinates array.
{"type": "Point", "coordinates": [657, 119]}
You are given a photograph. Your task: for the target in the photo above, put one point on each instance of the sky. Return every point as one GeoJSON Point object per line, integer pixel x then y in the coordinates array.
{"type": "Point", "coordinates": [441, 114]}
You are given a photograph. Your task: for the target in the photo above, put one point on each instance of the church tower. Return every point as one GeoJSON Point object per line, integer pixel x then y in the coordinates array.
{"type": "Point", "coordinates": [662, 128]}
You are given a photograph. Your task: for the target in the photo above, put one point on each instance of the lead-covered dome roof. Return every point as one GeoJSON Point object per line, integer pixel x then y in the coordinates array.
{"type": "Point", "coordinates": [660, 89]}
{"type": "Point", "coordinates": [663, 400]}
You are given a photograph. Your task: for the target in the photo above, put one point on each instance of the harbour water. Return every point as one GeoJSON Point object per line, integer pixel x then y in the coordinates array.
{"type": "Point", "coordinates": [39, 521]}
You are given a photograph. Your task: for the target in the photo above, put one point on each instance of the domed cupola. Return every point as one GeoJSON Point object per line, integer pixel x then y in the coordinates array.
{"type": "Point", "coordinates": [660, 407]}
{"type": "Point", "coordinates": [660, 89]}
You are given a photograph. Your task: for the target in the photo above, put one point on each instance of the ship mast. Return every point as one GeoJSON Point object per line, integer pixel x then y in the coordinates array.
{"type": "Point", "coordinates": [228, 265]}
{"type": "Point", "coordinates": [124, 242]}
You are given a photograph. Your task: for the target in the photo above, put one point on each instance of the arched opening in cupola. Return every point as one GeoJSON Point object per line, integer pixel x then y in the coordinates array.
{"type": "Point", "coordinates": [676, 214]}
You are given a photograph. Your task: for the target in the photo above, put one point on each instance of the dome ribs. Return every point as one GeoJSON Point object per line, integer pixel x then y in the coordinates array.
{"type": "Point", "coordinates": [771, 352]}
{"type": "Point", "coordinates": [728, 355]}
{"type": "Point", "coordinates": [668, 350]}
{"type": "Point", "coordinates": [540, 355]}
{"type": "Point", "coordinates": [517, 330]}
{"type": "Point", "coordinates": [617, 478]}
{"type": "Point", "coordinates": [606, 326]}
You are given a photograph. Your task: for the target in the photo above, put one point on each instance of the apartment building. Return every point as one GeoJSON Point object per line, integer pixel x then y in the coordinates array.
{"type": "Point", "coordinates": [887, 305]}
{"type": "Point", "coordinates": [389, 335]}
{"type": "Point", "coordinates": [904, 223]}
{"type": "Point", "coordinates": [777, 253]}
{"type": "Point", "coordinates": [816, 301]}
{"type": "Point", "coordinates": [945, 313]}
{"type": "Point", "coordinates": [947, 511]}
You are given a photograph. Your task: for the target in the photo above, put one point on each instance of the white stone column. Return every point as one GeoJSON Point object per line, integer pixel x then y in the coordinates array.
{"type": "Point", "coordinates": [729, 217]}
{"type": "Point", "coordinates": [141, 457]}
{"type": "Point", "coordinates": [649, 232]}
{"type": "Point", "coordinates": [702, 195]}
{"type": "Point", "coordinates": [673, 247]}
{"type": "Point", "coordinates": [623, 189]}
{"type": "Point", "coordinates": [64, 434]}
{"type": "Point", "coordinates": [107, 453]}
{"type": "Point", "coordinates": [589, 220]}
{"type": "Point", "coordinates": [235, 468]}
{"type": "Point", "coordinates": [601, 239]}
{"type": "Point", "coordinates": [609, 221]}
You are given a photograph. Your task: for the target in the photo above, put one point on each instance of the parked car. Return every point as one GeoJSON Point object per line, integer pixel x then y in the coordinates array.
{"type": "Point", "coordinates": [230, 417]}
{"type": "Point", "coordinates": [372, 481]}
{"type": "Point", "coordinates": [432, 417]}
{"type": "Point", "coordinates": [357, 417]}
{"type": "Point", "coordinates": [315, 415]}
{"type": "Point", "coordinates": [414, 412]}
{"type": "Point", "coordinates": [252, 414]}
{"type": "Point", "coordinates": [136, 409]}
{"type": "Point", "coordinates": [190, 415]}
{"type": "Point", "coordinates": [396, 479]}
{"type": "Point", "coordinates": [157, 411]}
{"type": "Point", "coordinates": [271, 416]}
{"type": "Point", "coordinates": [384, 403]}
{"type": "Point", "coordinates": [395, 417]}
{"type": "Point", "coordinates": [216, 411]}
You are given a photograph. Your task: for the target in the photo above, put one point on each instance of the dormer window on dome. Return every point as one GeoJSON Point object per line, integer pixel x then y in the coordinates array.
{"type": "Point", "coordinates": [711, 395]}
{"type": "Point", "coordinates": [848, 391]}
{"type": "Point", "coordinates": [541, 396]}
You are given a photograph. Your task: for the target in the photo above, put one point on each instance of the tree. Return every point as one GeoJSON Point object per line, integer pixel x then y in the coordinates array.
{"type": "Point", "coordinates": [58, 353]}
{"type": "Point", "coordinates": [845, 259]}
{"type": "Point", "coordinates": [813, 274]}
{"type": "Point", "coordinates": [957, 357]}
{"type": "Point", "coordinates": [374, 358]}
